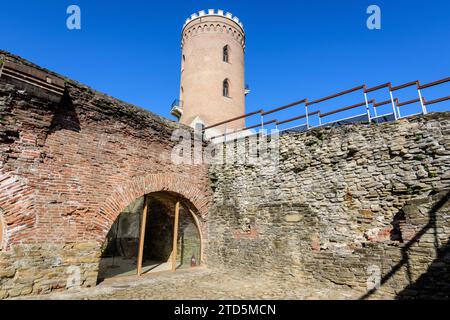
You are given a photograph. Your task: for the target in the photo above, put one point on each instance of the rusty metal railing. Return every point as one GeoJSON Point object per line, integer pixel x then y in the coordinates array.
{"type": "Point", "coordinates": [367, 117]}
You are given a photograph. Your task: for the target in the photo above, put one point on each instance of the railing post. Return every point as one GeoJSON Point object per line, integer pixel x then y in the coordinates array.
{"type": "Point", "coordinates": [320, 119]}
{"type": "Point", "coordinates": [424, 109]}
{"type": "Point", "coordinates": [233, 135]}
{"type": "Point", "coordinates": [306, 115]}
{"type": "Point", "coordinates": [393, 105]}
{"type": "Point", "coordinates": [398, 109]}
{"type": "Point", "coordinates": [262, 124]}
{"type": "Point", "coordinates": [367, 104]}
{"type": "Point", "coordinates": [225, 134]}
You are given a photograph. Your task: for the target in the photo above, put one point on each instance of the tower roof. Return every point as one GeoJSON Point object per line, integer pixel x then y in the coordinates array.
{"type": "Point", "coordinates": [212, 12]}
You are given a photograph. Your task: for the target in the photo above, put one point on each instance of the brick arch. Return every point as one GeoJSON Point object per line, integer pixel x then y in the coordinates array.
{"type": "Point", "coordinates": [125, 194]}
{"type": "Point", "coordinates": [17, 209]}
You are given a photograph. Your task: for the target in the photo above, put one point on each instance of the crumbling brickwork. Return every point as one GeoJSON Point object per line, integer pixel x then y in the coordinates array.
{"type": "Point", "coordinates": [68, 167]}
{"type": "Point", "coordinates": [343, 205]}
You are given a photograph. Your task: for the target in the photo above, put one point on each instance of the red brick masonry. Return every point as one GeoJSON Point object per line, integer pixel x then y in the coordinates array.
{"type": "Point", "coordinates": [70, 164]}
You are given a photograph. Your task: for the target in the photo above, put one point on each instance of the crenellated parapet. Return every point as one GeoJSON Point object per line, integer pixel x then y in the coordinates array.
{"type": "Point", "coordinates": [212, 12]}
{"type": "Point", "coordinates": [213, 21]}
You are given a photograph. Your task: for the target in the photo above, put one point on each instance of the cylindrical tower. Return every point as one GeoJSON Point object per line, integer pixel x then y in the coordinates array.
{"type": "Point", "coordinates": [212, 87]}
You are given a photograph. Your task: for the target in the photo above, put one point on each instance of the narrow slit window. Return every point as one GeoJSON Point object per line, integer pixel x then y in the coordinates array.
{"type": "Point", "coordinates": [226, 88]}
{"type": "Point", "coordinates": [226, 54]}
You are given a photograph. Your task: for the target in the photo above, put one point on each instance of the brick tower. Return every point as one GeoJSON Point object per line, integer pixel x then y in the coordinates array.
{"type": "Point", "coordinates": [212, 87]}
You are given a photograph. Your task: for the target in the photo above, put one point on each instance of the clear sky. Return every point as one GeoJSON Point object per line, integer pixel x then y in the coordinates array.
{"type": "Point", "coordinates": [295, 49]}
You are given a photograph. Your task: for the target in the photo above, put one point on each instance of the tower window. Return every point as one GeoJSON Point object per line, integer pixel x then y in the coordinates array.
{"type": "Point", "coordinates": [226, 54]}
{"type": "Point", "coordinates": [226, 88]}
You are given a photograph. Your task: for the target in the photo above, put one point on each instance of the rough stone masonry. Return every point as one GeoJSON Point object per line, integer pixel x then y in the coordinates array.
{"type": "Point", "coordinates": [354, 205]}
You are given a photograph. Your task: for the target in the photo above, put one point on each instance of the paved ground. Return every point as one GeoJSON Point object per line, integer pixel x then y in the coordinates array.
{"type": "Point", "coordinates": [205, 284]}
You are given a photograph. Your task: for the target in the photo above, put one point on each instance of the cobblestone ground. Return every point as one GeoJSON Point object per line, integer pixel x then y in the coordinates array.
{"type": "Point", "coordinates": [204, 284]}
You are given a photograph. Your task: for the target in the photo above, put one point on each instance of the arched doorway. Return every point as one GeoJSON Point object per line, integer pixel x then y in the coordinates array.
{"type": "Point", "coordinates": [142, 238]}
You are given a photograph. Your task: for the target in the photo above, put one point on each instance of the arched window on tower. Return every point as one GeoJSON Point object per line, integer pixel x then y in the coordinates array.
{"type": "Point", "coordinates": [226, 88]}
{"type": "Point", "coordinates": [226, 54]}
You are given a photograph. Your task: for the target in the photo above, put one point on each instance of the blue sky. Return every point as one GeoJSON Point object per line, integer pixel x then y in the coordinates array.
{"type": "Point", "coordinates": [295, 49]}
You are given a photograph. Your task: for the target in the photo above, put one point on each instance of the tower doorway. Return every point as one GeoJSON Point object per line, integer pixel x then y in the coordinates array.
{"type": "Point", "coordinates": [155, 233]}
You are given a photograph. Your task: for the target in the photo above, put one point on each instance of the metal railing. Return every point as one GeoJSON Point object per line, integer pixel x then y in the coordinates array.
{"type": "Point", "coordinates": [177, 103]}
{"type": "Point", "coordinates": [247, 89]}
{"type": "Point", "coordinates": [370, 114]}
{"type": "Point", "coordinates": [176, 109]}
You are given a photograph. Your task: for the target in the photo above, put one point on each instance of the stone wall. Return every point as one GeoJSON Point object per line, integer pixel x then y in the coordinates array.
{"type": "Point", "coordinates": [68, 167]}
{"type": "Point", "coordinates": [44, 267]}
{"type": "Point", "coordinates": [341, 205]}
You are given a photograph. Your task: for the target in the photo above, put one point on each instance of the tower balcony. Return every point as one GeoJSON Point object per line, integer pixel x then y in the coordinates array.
{"type": "Point", "coordinates": [247, 89]}
{"type": "Point", "coordinates": [177, 108]}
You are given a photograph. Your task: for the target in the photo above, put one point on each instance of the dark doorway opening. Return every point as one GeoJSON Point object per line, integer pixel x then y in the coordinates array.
{"type": "Point", "coordinates": [141, 240]}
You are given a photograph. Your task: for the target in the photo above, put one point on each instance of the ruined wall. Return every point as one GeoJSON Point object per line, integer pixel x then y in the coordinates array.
{"type": "Point", "coordinates": [68, 167]}
{"type": "Point", "coordinates": [341, 206]}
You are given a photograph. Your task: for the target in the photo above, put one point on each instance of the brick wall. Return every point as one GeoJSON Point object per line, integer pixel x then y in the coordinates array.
{"type": "Point", "coordinates": [68, 167]}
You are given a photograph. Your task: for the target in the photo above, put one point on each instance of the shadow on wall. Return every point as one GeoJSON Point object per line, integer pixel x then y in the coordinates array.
{"type": "Point", "coordinates": [435, 283]}
{"type": "Point", "coordinates": [65, 116]}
